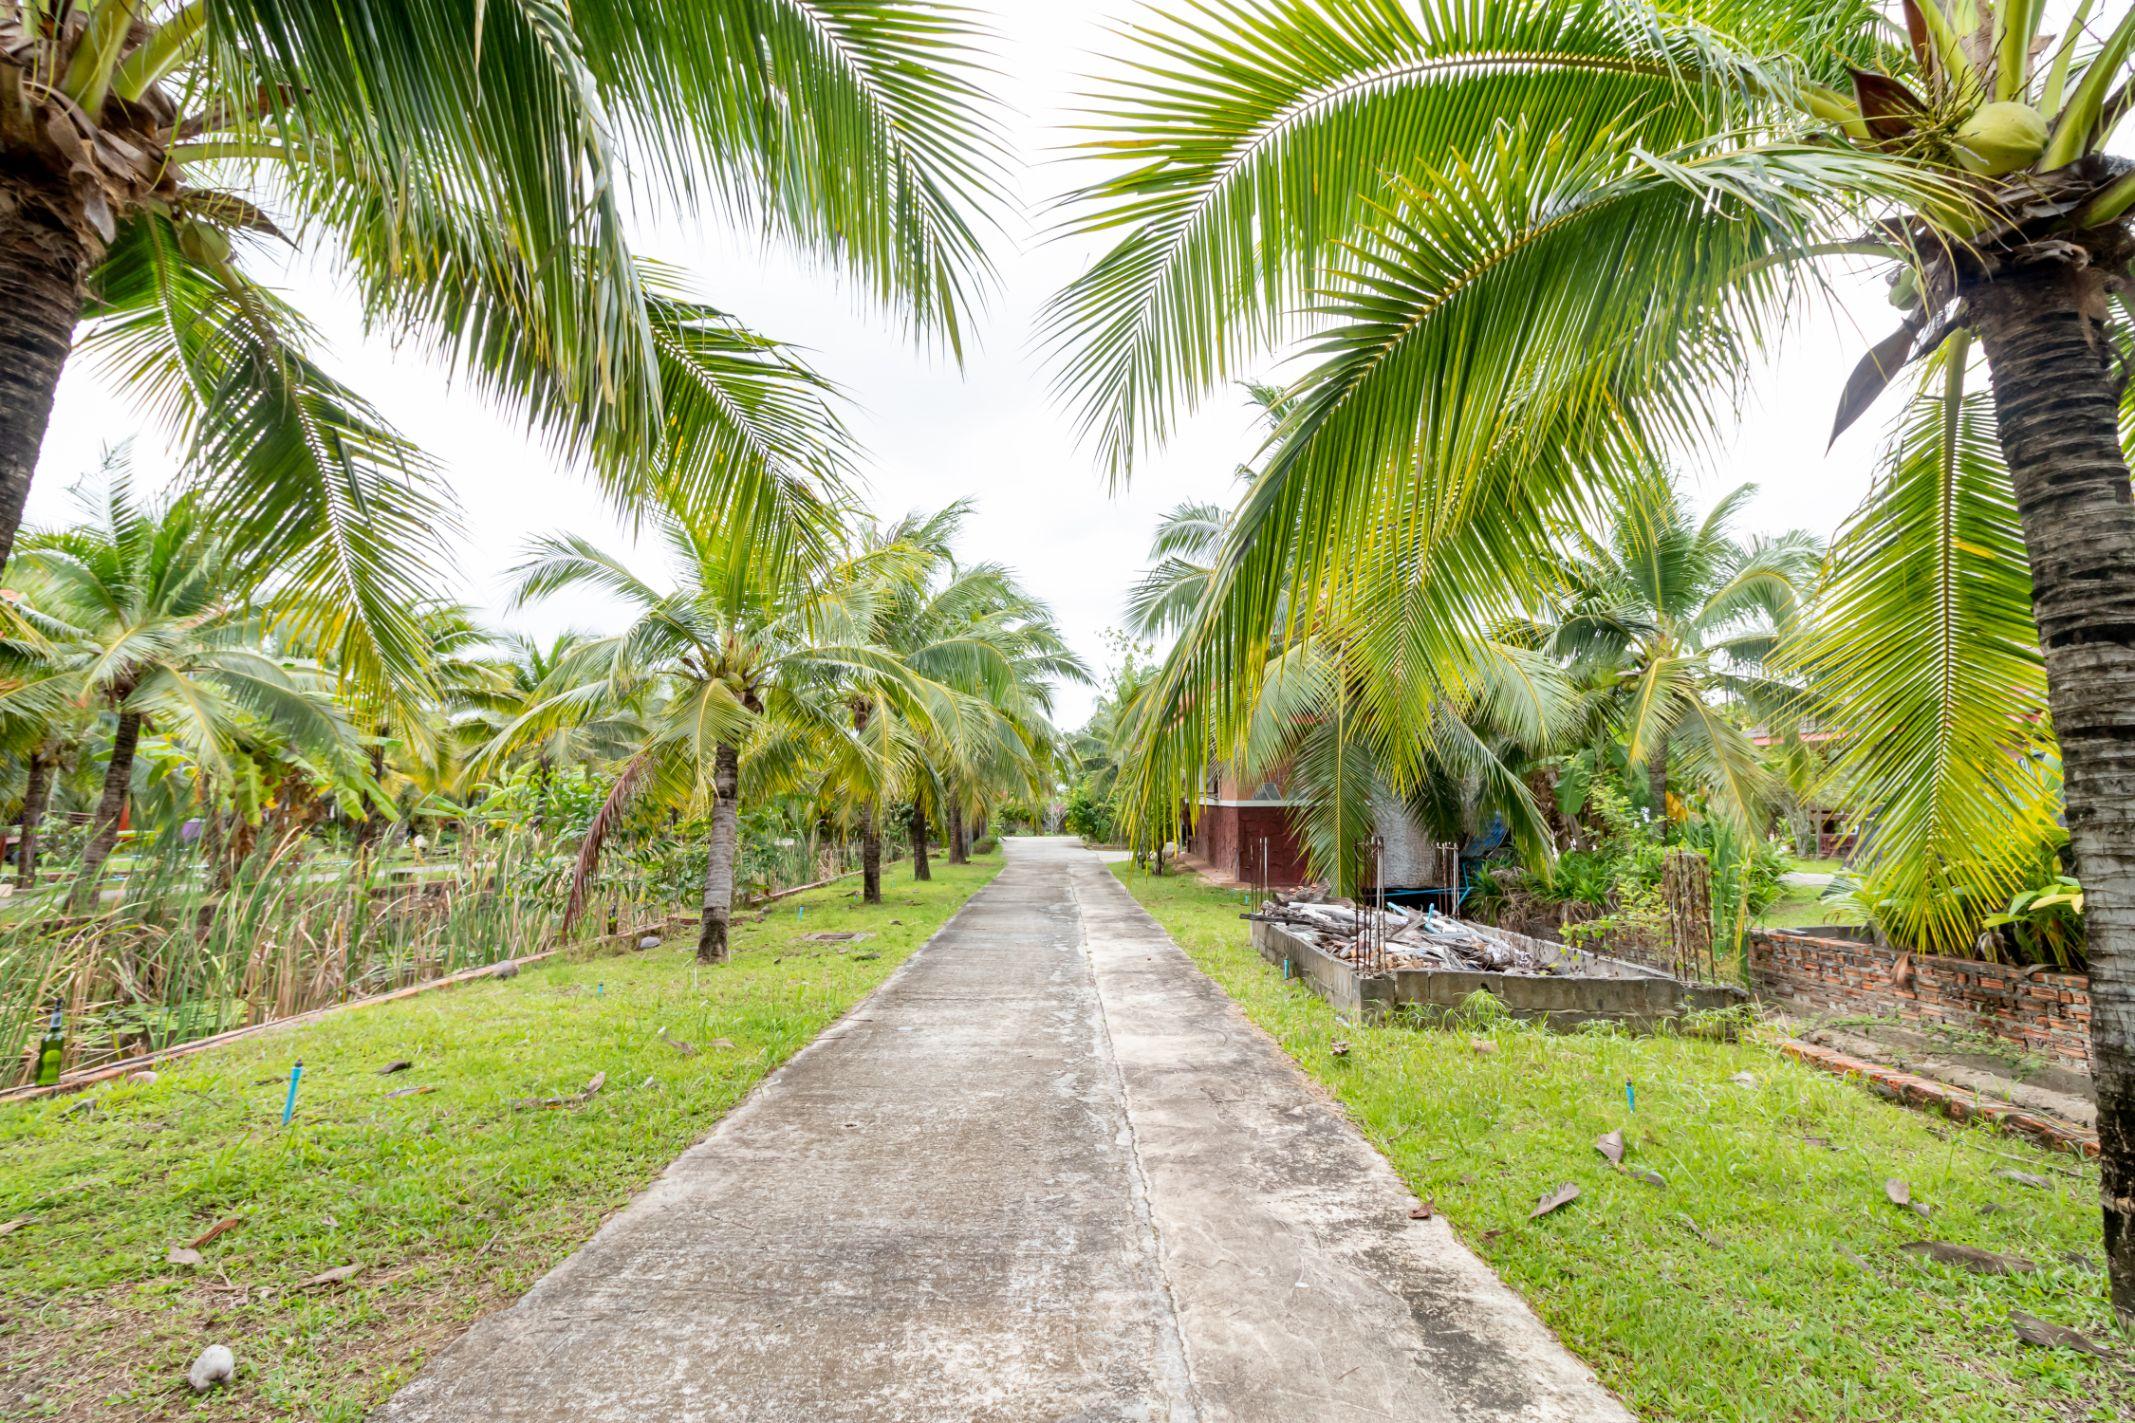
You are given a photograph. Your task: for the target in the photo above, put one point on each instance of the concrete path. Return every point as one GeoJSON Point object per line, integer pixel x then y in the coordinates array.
{"type": "Point", "coordinates": [1047, 1172]}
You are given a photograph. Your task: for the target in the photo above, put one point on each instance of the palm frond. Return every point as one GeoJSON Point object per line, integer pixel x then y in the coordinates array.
{"type": "Point", "coordinates": [1924, 657]}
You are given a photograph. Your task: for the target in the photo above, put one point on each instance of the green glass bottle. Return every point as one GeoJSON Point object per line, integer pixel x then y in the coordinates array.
{"type": "Point", "coordinates": [53, 1048]}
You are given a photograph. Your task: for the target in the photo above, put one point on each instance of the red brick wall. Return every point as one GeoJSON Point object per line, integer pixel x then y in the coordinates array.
{"type": "Point", "coordinates": [2045, 1014]}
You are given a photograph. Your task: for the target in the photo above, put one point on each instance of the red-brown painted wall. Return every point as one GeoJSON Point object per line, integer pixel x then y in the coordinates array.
{"type": "Point", "coordinates": [1228, 838]}
{"type": "Point", "coordinates": [2045, 1014]}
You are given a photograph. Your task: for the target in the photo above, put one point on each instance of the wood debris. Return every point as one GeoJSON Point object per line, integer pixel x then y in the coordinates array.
{"type": "Point", "coordinates": [2033, 1330]}
{"type": "Point", "coordinates": [228, 1222]}
{"type": "Point", "coordinates": [1969, 1257]}
{"type": "Point", "coordinates": [1409, 938]}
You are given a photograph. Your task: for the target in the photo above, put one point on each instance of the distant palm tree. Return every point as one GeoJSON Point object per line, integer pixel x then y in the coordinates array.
{"type": "Point", "coordinates": [974, 630]}
{"type": "Point", "coordinates": [1534, 247]}
{"type": "Point", "coordinates": [466, 168]}
{"type": "Point", "coordinates": [1669, 617]}
{"type": "Point", "coordinates": [42, 723]}
{"type": "Point", "coordinates": [730, 676]}
{"type": "Point", "coordinates": [145, 618]}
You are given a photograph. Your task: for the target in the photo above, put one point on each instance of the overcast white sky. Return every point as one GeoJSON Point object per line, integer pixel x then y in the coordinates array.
{"type": "Point", "coordinates": [934, 433]}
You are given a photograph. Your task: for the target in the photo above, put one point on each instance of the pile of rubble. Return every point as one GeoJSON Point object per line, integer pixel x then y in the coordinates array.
{"type": "Point", "coordinates": [1413, 939]}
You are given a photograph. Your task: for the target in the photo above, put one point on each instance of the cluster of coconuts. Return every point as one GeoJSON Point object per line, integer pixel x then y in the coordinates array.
{"type": "Point", "coordinates": [2000, 138]}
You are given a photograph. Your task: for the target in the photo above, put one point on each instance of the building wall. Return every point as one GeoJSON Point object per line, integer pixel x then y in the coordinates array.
{"type": "Point", "coordinates": [2045, 1014]}
{"type": "Point", "coordinates": [1228, 839]}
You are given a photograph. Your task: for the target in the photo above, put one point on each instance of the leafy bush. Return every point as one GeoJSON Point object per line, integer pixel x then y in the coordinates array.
{"type": "Point", "coordinates": [1088, 815]}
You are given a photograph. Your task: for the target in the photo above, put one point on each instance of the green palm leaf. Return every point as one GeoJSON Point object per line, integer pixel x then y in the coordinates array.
{"type": "Point", "coordinates": [1924, 656]}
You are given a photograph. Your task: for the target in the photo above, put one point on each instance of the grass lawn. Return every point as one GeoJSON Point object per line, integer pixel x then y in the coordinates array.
{"type": "Point", "coordinates": [1765, 1279]}
{"type": "Point", "coordinates": [1800, 906]}
{"type": "Point", "coordinates": [452, 1202]}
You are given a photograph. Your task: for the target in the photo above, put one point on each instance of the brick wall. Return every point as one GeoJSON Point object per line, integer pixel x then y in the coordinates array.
{"type": "Point", "coordinates": [2045, 1014]}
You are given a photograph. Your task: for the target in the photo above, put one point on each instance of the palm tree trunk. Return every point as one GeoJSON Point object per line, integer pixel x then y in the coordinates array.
{"type": "Point", "coordinates": [367, 828]}
{"type": "Point", "coordinates": [118, 781]}
{"type": "Point", "coordinates": [870, 857]}
{"type": "Point", "coordinates": [1657, 778]}
{"type": "Point", "coordinates": [959, 847]}
{"type": "Point", "coordinates": [2056, 398]}
{"type": "Point", "coordinates": [719, 864]}
{"type": "Point", "coordinates": [43, 260]}
{"type": "Point", "coordinates": [920, 868]}
{"type": "Point", "coordinates": [33, 799]}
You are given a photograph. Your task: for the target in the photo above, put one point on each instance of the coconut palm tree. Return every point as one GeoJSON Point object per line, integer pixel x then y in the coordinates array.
{"type": "Point", "coordinates": [143, 609]}
{"type": "Point", "coordinates": [731, 676]}
{"type": "Point", "coordinates": [974, 630]}
{"type": "Point", "coordinates": [1668, 618]}
{"type": "Point", "coordinates": [990, 654]}
{"type": "Point", "coordinates": [466, 168]}
{"type": "Point", "coordinates": [1522, 281]}
{"type": "Point", "coordinates": [42, 724]}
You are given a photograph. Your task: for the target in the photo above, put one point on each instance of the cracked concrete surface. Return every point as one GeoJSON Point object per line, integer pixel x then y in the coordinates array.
{"type": "Point", "coordinates": [1047, 1172]}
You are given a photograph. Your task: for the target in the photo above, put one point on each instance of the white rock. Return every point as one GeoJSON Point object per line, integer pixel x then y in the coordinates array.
{"type": "Point", "coordinates": [144, 1076]}
{"type": "Point", "coordinates": [215, 1365]}
{"type": "Point", "coordinates": [650, 941]}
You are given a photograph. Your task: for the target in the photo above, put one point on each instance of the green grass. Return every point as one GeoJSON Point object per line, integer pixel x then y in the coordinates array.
{"type": "Point", "coordinates": [1799, 906]}
{"type": "Point", "coordinates": [453, 1202]}
{"type": "Point", "coordinates": [1801, 1307]}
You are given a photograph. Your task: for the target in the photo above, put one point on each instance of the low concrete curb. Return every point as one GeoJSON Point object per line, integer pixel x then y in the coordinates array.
{"type": "Point", "coordinates": [1915, 1091]}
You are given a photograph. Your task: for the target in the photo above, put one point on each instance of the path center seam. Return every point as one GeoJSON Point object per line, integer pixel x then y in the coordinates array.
{"type": "Point", "coordinates": [1173, 1361]}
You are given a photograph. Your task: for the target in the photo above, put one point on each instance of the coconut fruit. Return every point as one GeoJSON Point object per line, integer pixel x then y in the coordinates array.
{"type": "Point", "coordinates": [2001, 138]}
{"type": "Point", "coordinates": [1905, 289]}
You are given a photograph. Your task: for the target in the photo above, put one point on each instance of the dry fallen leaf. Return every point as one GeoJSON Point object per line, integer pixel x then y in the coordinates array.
{"type": "Point", "coordinates": [722, 1042]}
{"type": "Point", "coordinates": [1651, 1178]}
{"type": "Point", "coordinates": [2054, 1336]}
{"type": "Point", "coordinates": [1424, 1211]}
{"type": "Point", "coordinates": [686, 1049]}
{"type": "Point", "coordinates": [2025, 1178]}
{"type": "Point", "coordinates": [1969, 1257]}
{"type": "Point", "coordinates": [1899, 1192]}
{"type": "Point", "coordinates": [1701, 1233]}
{"type": "Point", "coordinates": [600, 1080]}
{"type": "Point", "coordinates": [340, 1274]}
{"type": "Point", "coordinates": [180, 1255]}
{"type": "Point", "coordinates": [411, 1092]}
{"type": "Point", "coordinates": [1824, 1142]}
{"type": "Point", "coordinates": [228, 1222]}
{"type": "Point", "coordinates": [392, 1067]}
{"type": "Point", "coordinates": [1482, 1045]}
{"type": "Point", "coordinates": [1611, 1146]}
{"type": "Point", "coordinates": [1339, 1047]}
{"type": "Point", "coordinates": [9, 1227]}
{"type": "Point", "coordinates": [1744, 1079]}
{"type": "Point", "coordinates": [1563, 1196]}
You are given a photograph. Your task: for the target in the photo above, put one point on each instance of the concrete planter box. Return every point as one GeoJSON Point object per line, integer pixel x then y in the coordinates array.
{"type": "Point", "coordinates": [1594, 989]}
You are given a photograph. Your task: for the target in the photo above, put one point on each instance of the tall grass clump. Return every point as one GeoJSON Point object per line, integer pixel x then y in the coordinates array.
{"type": "Point", "coordinates": [180, 949]}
